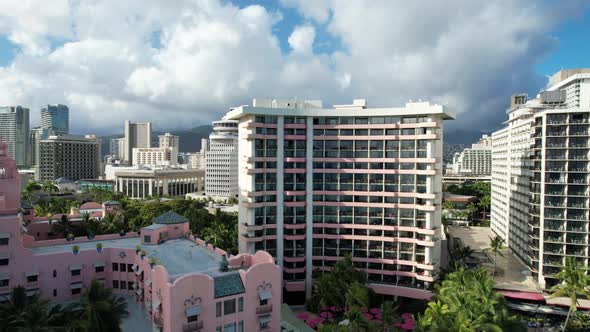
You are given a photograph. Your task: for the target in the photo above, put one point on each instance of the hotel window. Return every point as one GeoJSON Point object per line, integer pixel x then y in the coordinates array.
{"type": "Point", "coordinates": [218, 309]}
{"type": "Point", "coordinates": [115, 267]}
{"type": "Point", "coordinates": [147, 239]}
{"type": "Point", "coordinates": [4, 282]}
{"type": "Point", "coordinates": [123, 284]}
{"type": "Point", "coordinates": [115, 284]}
{"type": "Point", "coordinates": [4, 239]}
{"type": "Point", "coordinates": [123, 267]}
{"type": "Point", "coordinates": [32, 277]}
{"type": "Point", "coordinates": [230, 327]}
{"type": "Point", "coordinates": [76, 272]}
{"type": "Point", "coordinates": [229, 307]}
{"type": "Point", "coordinates": [241, 326]}
{"type": "Point", "coordinates": [240, 304]}
{"type": "Point", "coordinates": [129, 267]}
{"type": "Point", "coordinates": [4, 260]}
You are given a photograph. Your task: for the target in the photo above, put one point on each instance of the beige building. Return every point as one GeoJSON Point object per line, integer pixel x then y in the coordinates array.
{"type": "Point", "coordinates": [158, 182]}
{"type": "Point", "coordinates": [137, 135]}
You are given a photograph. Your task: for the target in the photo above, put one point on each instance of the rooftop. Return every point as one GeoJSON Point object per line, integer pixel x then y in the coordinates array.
{"type": "Point", "coordinates": [168, 218]}
{"type": "Point", "coordinates": [90, 205]}
{"type": "Point", "coordinates": [178, 256]}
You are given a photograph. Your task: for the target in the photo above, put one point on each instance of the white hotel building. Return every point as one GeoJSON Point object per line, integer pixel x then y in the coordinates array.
{"type": "Point", "coordinates": [556, 129]}
{"type": "Point", "coordinates": [317, 184]}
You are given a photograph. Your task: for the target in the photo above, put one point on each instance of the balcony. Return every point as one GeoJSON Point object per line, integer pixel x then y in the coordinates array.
{"type": "Point", "coordinates": [264, 309]}
{"type": "Point", "coordinates": [193, 326]}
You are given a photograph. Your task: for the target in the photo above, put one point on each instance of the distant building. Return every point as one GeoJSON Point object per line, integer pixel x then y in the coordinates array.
{"type": "Point", "coordinates": [474, 161]}
{"type": "Point", "coordinates": [156, 181]}
{"type": "Point", "coordinates": [222, 160]}
{"type": "Point", "coordinates": [71, 157]}
{"type": "Point", "coordinates": [117, 148]}
{"type": "Point", "coordinates": [56, 118]}
{"type": "Point", "coordinates": [169, 141]}
{"type": "Point", "coordinates": [137, 135]}
{"type": "Point", "coordinates": [155, 156]}
{"type": "Point", "coordinates": [37, 134]}
{"type": "Point", "coordinates": [14, 131]}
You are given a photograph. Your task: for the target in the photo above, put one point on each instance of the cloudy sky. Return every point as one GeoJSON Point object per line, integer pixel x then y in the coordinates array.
{"type": "Point", "coordinates": [183, 63]}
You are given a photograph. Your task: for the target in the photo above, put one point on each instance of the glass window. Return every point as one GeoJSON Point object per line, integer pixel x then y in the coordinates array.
{"type": "Point", "coordinates": [230, 327]}
{"type": "Point", "coordinates": [4, 261]}
{"type": "Point", "coordinates": [130, 266]}
{"type": "Point", "coordinates": [229, 307]}
{"type": "Point", "coordinates": [129, 284]}
{"type": "Point", "coordinates": [4, 241]}
{"type": "Point", "coordinates": [76, 291]}
{"type": "Point", "coordinates": [241, 326]}
{"type": "Point", "coordinates": [218, 309]}
{"type": "Point", "coordinates": [4, 282]}
{"type": "Point", "coordinates": [123, 267]}
{"type": "Point", "coordinates": [123, 284]}
{"type": "Point", "coordinates": [99, 268]}
{"type": "Point", "coordinates": [241, 304]}
{"type": "Point", "coordinates": [147, 238]}
{"type": "Point", "coordinates": [115, 283]}
{"type": "Point", "coordinates": [31, 279]}
{"type": "Point", "coordinates": [76, 272]}
{"type": "Point", "coordinates": [115, 267]}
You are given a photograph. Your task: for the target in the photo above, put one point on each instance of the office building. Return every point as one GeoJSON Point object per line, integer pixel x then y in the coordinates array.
{"type": "Point", "coordinates": [117, 148]}
{"type": "Point", "coordinates": [14, 131]}
{"type": "Point", "coordinates": [70, 157]}
{"type": "Point", "coordinates": [155, 156]}
{"type": "Point", "coordinates": [56, 118]}
{"type": "Point", "coordinates": [148, 182]}
{"type": "Point", "coordinates": [474, 161]}
{"type": "Point", "coordinates": [192, 287]}
{"type": "Point", "coordinates": [37, 134]}
{"type": "Point", "coordinates": [222, 160]}
{"type": "Point", "coordinates": [169, 141]}
{"type": "Point", "coordinates": [317, 184]}
{"type": "Point", "coordinates": [137, 135]}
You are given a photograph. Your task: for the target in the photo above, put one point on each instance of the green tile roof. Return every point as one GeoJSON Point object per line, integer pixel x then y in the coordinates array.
{"type": "Point", "coordinates": [169, 217]}
{"type": "Point", "coordinates": [227, 285]}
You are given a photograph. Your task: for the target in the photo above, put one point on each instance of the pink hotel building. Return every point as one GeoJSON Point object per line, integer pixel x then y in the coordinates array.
{"type": "Point", "coordinates": [192, 287]}
{"type": "Point", "coordinates": [317, 184]}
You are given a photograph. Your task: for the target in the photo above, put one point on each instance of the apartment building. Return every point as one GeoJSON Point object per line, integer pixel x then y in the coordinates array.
{"type": "Point", "coordinates": [221, 160]}
{"type": "Point", "coordinates": [318, 184]}
{"type": "Point", "coordinates": [14, 131]}
{"type": "Point", "coordinates": [70, 157]}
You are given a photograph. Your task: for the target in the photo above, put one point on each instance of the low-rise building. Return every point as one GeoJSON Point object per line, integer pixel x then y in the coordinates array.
{"type": "Point", "coordinates": [181, 282]}
{"type": "Point", "coordinates": [157, 181]}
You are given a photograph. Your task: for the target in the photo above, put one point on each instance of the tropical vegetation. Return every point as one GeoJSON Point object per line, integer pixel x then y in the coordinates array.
{"type": "Point", "coordinates": [466, 301]}
{"type": "Point", "coordinates": [574, 284]}
{"type": "Point", "coordinates": [97, 311]}
{"type": "Point", "coordinates": [496, 247]}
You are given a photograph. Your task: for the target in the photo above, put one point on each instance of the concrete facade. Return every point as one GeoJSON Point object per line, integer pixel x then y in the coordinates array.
{"type": "Point", "coordinates": [71, 157]}
{"type": "Point", "coordinates": [14, 131]}
{"type": "Point", "coordinates": [56, 118]}
{"type": "Point", "coordinates": [137, 135]}
{"type": "Point", "coordinates": [157, 182]}
{"type": "Point", "coordinates": [317, 184]}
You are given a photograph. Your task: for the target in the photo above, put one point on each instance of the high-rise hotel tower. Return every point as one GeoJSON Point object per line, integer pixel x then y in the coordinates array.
{"type": "Point", "coordinates": [318, 184]}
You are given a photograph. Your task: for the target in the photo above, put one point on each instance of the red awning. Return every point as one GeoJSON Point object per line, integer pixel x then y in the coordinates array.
{"type": "Point", "coordinates": [523, 295]}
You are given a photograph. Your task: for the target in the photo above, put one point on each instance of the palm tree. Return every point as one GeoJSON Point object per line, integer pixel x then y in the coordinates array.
{"type": "Point", "coordinates": [216, 234]}
{"type": "Point", "coordinates": [30, 189]}
{"type": "Point", "coordinates": [28, 313]}
{"type": "Point", "coordinates": [323, 291]}
{"type": "Point", "coordinates": [102, 310]}
{"type": "Point", "coordinates": [496, 246]}
{"type": "Point", "coordinates": [49, 187]}
{"type": "Point", "coordinates": [484, 204]}
{"type": "Point", "coordinates": [574, 282]}
{"type": "Point", "coordinates": [389, 314]}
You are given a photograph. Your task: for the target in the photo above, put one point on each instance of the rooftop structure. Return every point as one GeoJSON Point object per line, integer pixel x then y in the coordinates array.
{"type": "Point", "coordinates": [222, 160]}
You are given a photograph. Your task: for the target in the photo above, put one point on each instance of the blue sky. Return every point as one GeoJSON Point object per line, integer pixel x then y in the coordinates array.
{"type": "Point", "coordinates": [216, 56]}
{"type": "Point", "coordinates": [574, 46]}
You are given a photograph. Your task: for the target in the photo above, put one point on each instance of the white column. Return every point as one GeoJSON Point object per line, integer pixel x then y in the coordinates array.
{"type": "Point", "coordinates": [309, 207]}
{"type": "Point", "coordinates": [280, 190]}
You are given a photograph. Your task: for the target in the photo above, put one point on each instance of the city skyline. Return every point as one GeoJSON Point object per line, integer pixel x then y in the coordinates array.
{"type": "Point", "coordinates": [290, 48]}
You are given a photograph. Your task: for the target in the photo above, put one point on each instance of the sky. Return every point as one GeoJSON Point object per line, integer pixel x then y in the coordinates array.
{"type": "Point", "coordinates": [184, 63]}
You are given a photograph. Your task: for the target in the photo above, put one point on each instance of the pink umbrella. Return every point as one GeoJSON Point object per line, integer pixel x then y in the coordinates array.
{"type": "Point", "coordinates": [406, 315]}
{"type": "Point", "coordinates": [375, 310]}
{"type": "Point", "coordinates": [324, 308]}
{"type": "Point", "coordinates": [408, 327]}
{"type": "Point", "coordinates": [334, 308]}
{"type": "Point", "coordinates": [378, 316]}
{"type": "Point", "coordinates": [303, 315]}
{"type": "Point", "coordinates": [397, 324]}
{"type": "Point", "coordinates": [324, 314]}
{"type": "Point", "coordinates": [378, 321]}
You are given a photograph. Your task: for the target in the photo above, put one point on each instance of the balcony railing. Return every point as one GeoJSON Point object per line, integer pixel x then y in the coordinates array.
{"type": "Point", "coordinates": [264, 309]}
{"type": "Point", "coordinates": [193, 326]}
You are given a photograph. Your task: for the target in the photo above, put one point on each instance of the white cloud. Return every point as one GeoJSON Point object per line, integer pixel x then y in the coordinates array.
{"type": "Point", "coordinates": [301, 40]}
{"type": "Point", "coordinates": [214, 55]}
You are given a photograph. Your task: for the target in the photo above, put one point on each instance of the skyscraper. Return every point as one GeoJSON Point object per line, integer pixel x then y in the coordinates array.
{"type": "Point", "coordinates": [71, 157]}
{"type": "Point", "coordinates": [56, 118]}
{"type": "Point", "coordinates": [318, 184]}
{"type": "Point", "coordinates": [137, 135]}
{"type": "Point", "coordinates": [14, 131]}
{"type": "Point", "coordinates": [221, 160]}
{"type": "Point", "coordinates": [117, 148]}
